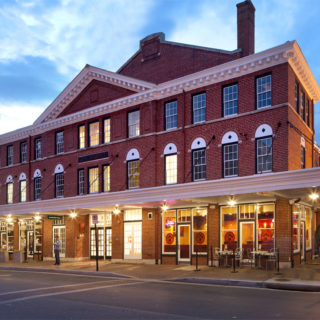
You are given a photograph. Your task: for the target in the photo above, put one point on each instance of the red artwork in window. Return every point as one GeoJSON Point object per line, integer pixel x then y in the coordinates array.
{"type": "Point", "coordinates": [229, 236]}
{"type": "Point", "coordinates": [266, 235]}
{"type": "Point", "coordinates": [169, 238]}
{"type": "Point", "coordinates": [200, 237]}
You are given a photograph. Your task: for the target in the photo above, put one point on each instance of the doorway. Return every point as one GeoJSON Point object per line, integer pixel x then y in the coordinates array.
{"type": "Point", "coordinates": [30, 243]}
{"type": "Point", "coordinates": [60, 231]}
{"type": "Point", "coordinates": [247, 244]}
{"type": "Point", "coordinates": [184, 243]}
{"type": "Point", "coordinates": [3, 240]}
{"type": "Point", "coordinates": [133, 240]}
{"type": "Point", "coordinates": [302, 240]}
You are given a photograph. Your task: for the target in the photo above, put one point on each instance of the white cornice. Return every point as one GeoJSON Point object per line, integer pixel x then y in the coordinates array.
{"type": "Point", "coordinates": [288, 52]}
{"type": "Point", "coordinates": [279, 181]}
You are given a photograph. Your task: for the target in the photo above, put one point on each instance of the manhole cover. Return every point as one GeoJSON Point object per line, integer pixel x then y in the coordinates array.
{"type": "Point", "coordinates": [282, 280]}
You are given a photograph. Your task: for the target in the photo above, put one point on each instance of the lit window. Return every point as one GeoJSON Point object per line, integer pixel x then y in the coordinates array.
{"type": "Point", "coordinates": [230, 100]}
{"type": "Point", "coordinates": [171, 115]}
{"type": "Point", "coordinates": [23, 190]}
{"type": "Point", "coordinates": [303, 157]}
{"type": "Point", "coordinates": [9, 155]}
{"type": "Point", "coordinates": [264, 154]}
{"type": "Point", "coordinates": [169, 232]}
{"type": "Point", "coordinates": [37, 188]}
{"type": "Point", "coordinates": [229, 230]}
{"type": "Point", "coordinates": [308, 228]}
{"type": "Point", "coordinates": [199, 107]}
{"type": "Point", "coordinates": [82, 137]}
{"type": "Point", "coordinates": [107, 130]}
{"type": "Point", "coordinates": [199, 164]}
{"type": "Point", "coordinates": [133, 173]}
{"type": "Point", "coordinates": [93, 134]}
{"type": "Point", "coordinates": [23, 152]}
{"type": "Point", "coordinates": [80, 181]}
{"type": "Point", "coordinates": [265, 227]}
{"type": "Point", "coordinates": [171, 169]}
{"type": "Point", "coordinates": [199, 226]}
{"type": "Point", "coordinates": [133, 123]}
{"type": "Point", "coordinates": [59, 142]}
{"type": "Point", "coordinates": [37, 149]}
{"type": "Point", "coordinates": [59, 185]}
{"type": "Point", "coordinates": [10, 192]}
{"type": "Point", "coordinates": [93, 180]}
{"type": "Point", "coordinates": [106, 178]}
{"type": "Point", "coordinates": [230, 160]}
{"type": "Point", "coordinates": [263, 91]}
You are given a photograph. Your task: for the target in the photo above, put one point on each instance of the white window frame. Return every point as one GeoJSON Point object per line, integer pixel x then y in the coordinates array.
{"type": "Point", "coordinates": [106, 130]}
{"type": "Point", "coordinates": [133, 123]}
{"type": "Point", "coordinates": [59, 142]}
{"type": "Point", "coordinates": [266, 156]}
{"type": "Point", "coordinates": [59, 185]}
{"type": "Point", "coordinates": [23, 151]}
{"type": "Point", "coordinates": [37, 148]}
{"type": "Point", "coordinates": [199, 102]}
{"type": "Point", "coordinates": [94, 133]}
{"type": "Point", "coordinates": [171, 114]}
{"type": "Point", "coordinates": [262, 93]}
{"type": "Point", "coordinates": [229, 101]}
{"type": "Point", "coordinates": [81, 182]}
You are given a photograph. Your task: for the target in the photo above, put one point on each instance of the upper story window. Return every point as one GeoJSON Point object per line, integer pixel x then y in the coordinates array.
{"type": "Point", "coordinates": [9, 183]}
{"type": "Point", "coordinates": [106, 130]}
{"type": "Point", "coordinates": [302, 103]}
{"type": "Point", "coordinates": [23, 152]}
{"type": "Point", "coordinates": [93, 180]}
{"type": "Point", "coordinates": [133, 123]}
{"type": "Point", "coordinates": [94, 134]}
{"type": "Point", "coordinates": [37, 184]}
{"type": "Point", "coordinates": [106, 178]}
{"type": "Point", "coordinates": [230, 154]}
{"type": "Point", "coordinates": [170, 115]}
{"type": "Point", "coordinates": [230, 100]}
{"type": "Point", "coordinates": [303, 157]}
{"type": "Point", "coordinates": [59, 181]}
{"type": "Point", "coordinates": [263, 91]}
{"type": "Point", "coordinates": [10, 155]}
{"type": "Point", "coordinates": [308, 112]}
{"type": "Point", "coordinates": [296, 97]}
{"type": "Point", "coordinates": [263, 149]}
{"type": "Point", "coordinates": [37, 149]}
{"type": "Point", "coordinates": [80, 182]}
{"type": "Point", "coordinates": [199, 107]}
{"type": "Point", "coordinates": [82, 137]}
{"type": "Point", "coordinates": [198, 148]}
{"type": "Point", "coordinates": [171, 163]}
{"type": "Point", "coordinates": [23, 188]}
{"type": "Point", "coordinates": [133, 168]}
{"type": "Point", "coordinates": [59, 142]}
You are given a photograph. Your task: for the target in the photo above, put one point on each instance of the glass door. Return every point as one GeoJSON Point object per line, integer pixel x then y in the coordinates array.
{"type": "Point", "coordinates": [60, 231]}
{"type": "Point", "coordinates": [3, 240]}
{"type": "Point", "coordinates": [247, 238]}
{"type": "Point", "coordinates": [132, 240]}
{"type": "Point", "coordinates": [30, 243]}
{"type": "Point", "coordinates": [302, 240]}
{"type": "Point", "coordinates": [184, 243]}
{"type": "Point", "coordinates": [108, 243]}
{"type": "Point", "coordinates": [100, 243]}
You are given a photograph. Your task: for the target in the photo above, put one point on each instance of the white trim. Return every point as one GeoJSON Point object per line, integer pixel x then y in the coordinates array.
{"type": "Point", "coordinates": [198, 143]}
{"type": "Point", "coordinates": [37, 174]}
{"type": "Point", "coordinates": [133, 154]}
{"type": "Point", "coordinates": [303, 142]}
{"type": "Point", "coordinates": [263, 131]}
{"type": "Point", "coordinates": [58, 169]}
{"type": "Point", "coordinates": [22, 176]}
{"type": "Point", "coordinates": [229, 137]}
{"type": "Point", "coordinates": [170, 148]}
{"type": "Point", "coordinates": [9, 179]}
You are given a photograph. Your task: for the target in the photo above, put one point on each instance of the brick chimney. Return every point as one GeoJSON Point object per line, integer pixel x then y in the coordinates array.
{"type": "Point", "coordinates": [245, 16]}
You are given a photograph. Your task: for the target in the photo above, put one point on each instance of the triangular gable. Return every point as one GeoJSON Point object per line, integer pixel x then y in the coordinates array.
{"type": "Point", "coordinates": [88, 77]}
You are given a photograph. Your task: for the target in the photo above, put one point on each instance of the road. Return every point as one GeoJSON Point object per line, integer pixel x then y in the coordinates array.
{"type": "Point", "coordinates": [36, 295]}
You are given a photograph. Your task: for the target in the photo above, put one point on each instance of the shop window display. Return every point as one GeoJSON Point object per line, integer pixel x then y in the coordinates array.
{"type": "Point", "coordinates": [199, 224]}
{"type": "Point", "coordinates": [169, 232]}
{"type": "Point", "coordinates": [308, 228]}
{"type": "Point", "coordinates": [229, 231]}
{"type": "Point", "coordinates": [265, 227]}
{"type": "Point", "coordinates": [295, 228]}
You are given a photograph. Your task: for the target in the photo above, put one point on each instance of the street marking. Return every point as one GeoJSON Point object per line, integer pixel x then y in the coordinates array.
{"type": "Point", "coordinates": [65, 292]}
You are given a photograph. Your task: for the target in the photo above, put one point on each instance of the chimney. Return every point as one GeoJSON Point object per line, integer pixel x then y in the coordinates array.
{"type": "Point", "coordinates": [245, 16]}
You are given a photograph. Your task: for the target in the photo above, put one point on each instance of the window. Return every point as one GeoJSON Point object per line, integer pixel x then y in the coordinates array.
{"type": "Point", "coordinates": [9, 155]}
{"type": "Point", "coordinates": [93, 180]}
{"type": "Point", "coordinates": [308, 228]}
{"type": "Point", "coordinates": [264, 154]}
{"type": "Point", "coordinates": [199, 164]}
{"type": "Point", "coordinates": [263, 91]}
{"type": "Point", "coordinates": [37, 149]}
{"type": "Point", "coordinates": [199, 227]}
{"type": "Point", "coordinates": [59, 142]}
{"type": "Point", "coordinates": [229, 231]}
{"type": "Point", "coordinates": [23, 191]}
{"type": "Point", "coordinates": [230, 160]}
{"type": "Point", "coordinates": [171, 115]}
{"type": "Point", "coordinates": [265, 227]}
{"type": "Point", "coordinates": [308, 112]}
{"type": "Point", "coordinates": [106, 178]}
{"type": "Point", "coordinates": [296, 97]}
{"type": "Point", "coordinates": [169, 232]}
{"type": "Point", "coordinates": [94, 134]}
{"type": "Point", "coordinates": [133, 174]}
{"type": "Point", "coordinates": [133, 123]}
{"type": "Point", "coordinates": [303, 157]}
{"type": "Point", "coordinates": [82, 137]}
{"type": "Point", "coordinates": [230, 100]}
{"type": "Point", "coordinates": [199, 107]}
{"type": "Point", "coordinates": [302, 102]}
{"type": "Point", "coordinates": [59, 185]}
{"type": "Point", "coordinates": [171, 169]}
{"type": "Point", "coordinates": [23, 152]}
{"type": "Point", "coordinates": [106, 131]}
{"type": "Point", "coordinates": [10, 192]}
{"type": "Point", "coordinates": [37, 188]}
{"type": "Point", "coordinates": [80, 182]}
{"type": "Point", "coordinates": [296, 228]}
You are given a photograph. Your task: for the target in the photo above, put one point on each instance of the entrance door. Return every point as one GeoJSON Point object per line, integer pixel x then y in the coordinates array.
{"type": "Point", "coordinates": [100, 243]}
{"type": "Point", "coordinates": [302, 240]}
{"type": "Point", "coordinates": [108, 243]}
{"type": "Point", "coordinates": [246, 238]}
{"type": "Point", "coordinates": [60, 231]}
{"type": "Point", "coordinates": [184, 243]}
{"type": "Point", "coordinates": [3, 240]}
{"type": "Point", "coordinates": [132, 240]}
{"type": "Point", "coordinates": [30, 243]}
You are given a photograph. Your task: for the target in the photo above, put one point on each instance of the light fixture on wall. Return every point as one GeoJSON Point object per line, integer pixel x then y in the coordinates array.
{"type": "Point", "coordinates": [9, 218]}
{"type": "Point", "coordinates": [37, 217]}
{"type": "Point", "coordinates": [164, 207]}
{"type": "Point", "coordinates": [232, 201]}
{"type": "Point", "coordinates": [314, 196]}
{"type": "Point", "coordinates": [73, 215]}
{"type": "Point", "coordinates": [116, 209]}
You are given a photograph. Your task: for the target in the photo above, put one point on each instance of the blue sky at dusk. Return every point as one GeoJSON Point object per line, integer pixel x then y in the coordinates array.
{"type": "Point", "coordinates": [45, 43]}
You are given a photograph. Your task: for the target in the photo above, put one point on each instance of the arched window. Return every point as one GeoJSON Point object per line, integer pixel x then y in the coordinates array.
{"type": "Point", "coordinates": [9, 183]}
{"type": "Point", "coordinates": [171, 163]}
{"type": "Point", "coordinates": [230, 154]}
{"type": "Point", "coordinates": [23, 187]}
{"type": "Point", "coordinates": [59, 181]}
{"type": "Point", "coordinates": [37, 180]}
{"type": "Point", "coordinates": [133, 168]}
{"type": "Point", "coordinates": [198, 148]}
{"type": "Point", "coordinates": [263, 138]}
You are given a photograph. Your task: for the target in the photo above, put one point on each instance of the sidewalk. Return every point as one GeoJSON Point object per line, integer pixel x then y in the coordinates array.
{"type": "Point", "coordinates": [305, 277]}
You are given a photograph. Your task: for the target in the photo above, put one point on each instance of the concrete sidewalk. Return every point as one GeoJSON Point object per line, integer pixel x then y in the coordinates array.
{"type": "Point", "coordinates": [305, 277]}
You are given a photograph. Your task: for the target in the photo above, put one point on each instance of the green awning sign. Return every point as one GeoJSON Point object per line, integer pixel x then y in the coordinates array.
{"type": "Point", "coordinates": [54, 217]}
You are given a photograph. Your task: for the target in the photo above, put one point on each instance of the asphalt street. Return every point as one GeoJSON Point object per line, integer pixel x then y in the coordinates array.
{"type": "Point", "coordinates": [34, 295]}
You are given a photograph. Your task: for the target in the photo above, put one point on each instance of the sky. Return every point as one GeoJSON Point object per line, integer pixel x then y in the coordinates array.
{"type": "Point", "coordinates": [44, 44]}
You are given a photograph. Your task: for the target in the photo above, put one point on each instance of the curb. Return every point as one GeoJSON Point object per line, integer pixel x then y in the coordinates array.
{"type": "Point", "coordinates": [64, 271]}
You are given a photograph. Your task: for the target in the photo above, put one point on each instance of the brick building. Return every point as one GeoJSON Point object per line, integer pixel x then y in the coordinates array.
{"type": "Point", "coordinates": [183, 150]}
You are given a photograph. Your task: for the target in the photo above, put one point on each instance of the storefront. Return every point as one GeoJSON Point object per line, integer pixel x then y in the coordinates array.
{"type": "Point", "coordinates": [31, 237]}
{"type": "Point", "coordinates": [59, 230]}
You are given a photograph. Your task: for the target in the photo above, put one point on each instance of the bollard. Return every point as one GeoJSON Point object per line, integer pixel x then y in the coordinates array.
{"type": "Point", "coordinates": [211, 251]}
{"type": "Point", "coordinates": [197, 252]}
